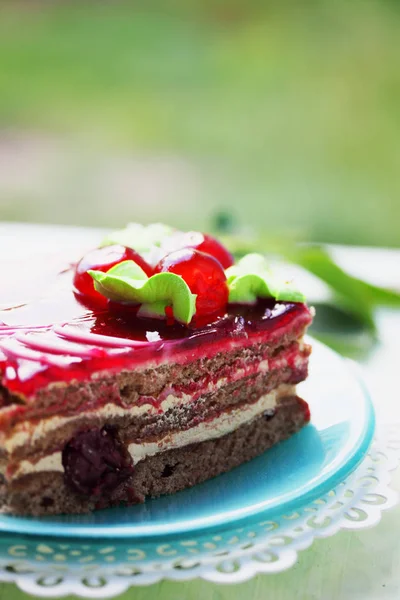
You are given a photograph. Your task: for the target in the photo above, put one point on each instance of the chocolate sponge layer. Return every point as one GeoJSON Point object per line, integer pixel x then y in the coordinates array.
{"type": "Point", "coordinates": [150, 425]}
{"type": "Point", "coordinates": [126, 388]}
{"type": "Point", "coordinates": [165, 473]}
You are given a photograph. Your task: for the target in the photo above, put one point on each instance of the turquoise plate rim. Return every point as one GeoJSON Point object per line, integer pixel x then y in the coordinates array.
{"type": "Point", "coordinates": [347, 460]}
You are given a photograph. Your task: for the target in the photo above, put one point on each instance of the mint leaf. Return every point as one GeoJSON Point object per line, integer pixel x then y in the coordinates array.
{"type": "Point", "coordinates": [245, 289]}
{"type": "Point", "coordinates": [252, 278]}
{"type": "Point", "coordinates": [139, 237]}
{"type": "Point", "coordinates": [126, 282]}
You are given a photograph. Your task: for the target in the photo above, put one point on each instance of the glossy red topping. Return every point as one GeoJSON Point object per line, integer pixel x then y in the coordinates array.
{"type": "Point", "coordinates": [34, 355]}
{"type": "Point", "coordinates": [212, 246]}
{"type": "Point", "coordinates": [201, 242]}
{"type": "Point", "coordinates": [55, 337]}
{"type": "Point", "coordinates": [203, 274]}
{"type": "Point", "coordinates": [102, 259]}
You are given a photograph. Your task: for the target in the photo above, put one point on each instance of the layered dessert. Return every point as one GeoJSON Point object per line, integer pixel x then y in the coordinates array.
{"type": "Point", "coordinates": [152, 364]}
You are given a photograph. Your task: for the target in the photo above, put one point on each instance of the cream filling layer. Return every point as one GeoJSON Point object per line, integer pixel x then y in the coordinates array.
{"type": "Point", "coordinates": [27, 434]}
{"type": "Point", "coordinates": [47, 426]}
{"type": "Point", "coordinates": [208, 430]}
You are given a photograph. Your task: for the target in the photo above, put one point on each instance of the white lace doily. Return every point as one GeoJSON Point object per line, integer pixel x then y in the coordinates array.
{"type": "Point", "coordinates": [97, 570]}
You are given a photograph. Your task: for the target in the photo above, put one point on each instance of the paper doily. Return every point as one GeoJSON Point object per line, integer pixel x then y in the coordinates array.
{"type": "Point", "coordinates": [56, 567]}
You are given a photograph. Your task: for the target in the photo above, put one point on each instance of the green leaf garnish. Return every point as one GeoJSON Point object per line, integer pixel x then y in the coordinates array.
{"type": "Point", "coordinates": [141, 238]}
{"type": "Point", "coordinates": [245, 289]}
{"type": "Point", "coordinates": [128, 268]}
{"type": "Point", "coordinates": [251, 278]}
{"type": "Point", "coordinates": [127, 282]}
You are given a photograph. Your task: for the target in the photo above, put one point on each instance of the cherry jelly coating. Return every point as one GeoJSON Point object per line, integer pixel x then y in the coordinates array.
{"type": "Point", "coordinates": [204, 276]}
{"type": "Point", "coordinates": [201, 242]}
{"type": "Point", "coordinates": [212, 246]}
{"type": "Point", "coordinates": [95, 462]}
{"type": "Point", "coordinates": [102, 259]}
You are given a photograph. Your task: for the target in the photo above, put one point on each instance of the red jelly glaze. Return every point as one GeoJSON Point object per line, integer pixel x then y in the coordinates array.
{"type": "Point", "coordinates": [56, 339]}
{"type": "Point", "coordinates": [103, 259]}
{"type": "Point", "coordinates": [203, 242]}
{"type": "Point", "coordinates": [203, 274]}
{"type": "Point", "coordinates": [305, 408]}
{"type": "Point", "coordinates": [212, 246]}
{"type": "Point", "coordinates": [124, 345]}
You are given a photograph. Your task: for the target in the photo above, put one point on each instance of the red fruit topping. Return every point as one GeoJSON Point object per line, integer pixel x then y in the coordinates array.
{"type": "Point", "coordinates": [201, 242]}
{"type": "Point", "coordinates": [102, 259]}
{"type": "Point", "coordinates": [95, 462]}
{"type": "Point", "coordinates": [212, 246]}
{"type": "Point", "coordinates": [204, 276]}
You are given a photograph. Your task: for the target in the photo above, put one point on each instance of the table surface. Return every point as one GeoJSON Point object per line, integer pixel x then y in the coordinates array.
{"type": "Point", "coordinates": [362, 565]}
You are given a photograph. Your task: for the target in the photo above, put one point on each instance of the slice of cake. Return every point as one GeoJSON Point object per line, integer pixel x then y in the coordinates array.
{"type": "Point", "coordinates": [152, 365]}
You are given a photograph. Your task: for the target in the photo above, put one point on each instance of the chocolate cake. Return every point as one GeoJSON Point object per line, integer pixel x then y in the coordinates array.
{"type": "Point", "coordinates": [152, 365]}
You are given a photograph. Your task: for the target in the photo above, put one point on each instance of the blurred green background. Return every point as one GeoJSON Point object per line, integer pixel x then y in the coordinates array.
{"type": "Point", "coordinates": [285, 115]}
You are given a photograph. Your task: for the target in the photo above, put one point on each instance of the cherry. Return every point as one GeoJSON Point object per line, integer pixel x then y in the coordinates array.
{"type": "Point", "coordinates": [203, 274]}
{"type": "Point", "coordinates": [212, 246]}
{"type": "Point", "coordinates": [95, 462]}
{"type": "Point", "coordinates": [201, 242]}
{"type": "Point", "coordinates": [102, 259]}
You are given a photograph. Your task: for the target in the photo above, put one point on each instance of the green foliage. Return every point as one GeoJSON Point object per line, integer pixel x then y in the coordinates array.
{"type": "Point", "coordinates": [287, 111]}
{"type": "Point", "coordinates": [347, 322]}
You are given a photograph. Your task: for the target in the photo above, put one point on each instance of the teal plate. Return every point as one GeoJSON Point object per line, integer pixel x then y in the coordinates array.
{"type": "Point", "coordinates": [285, 478]}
